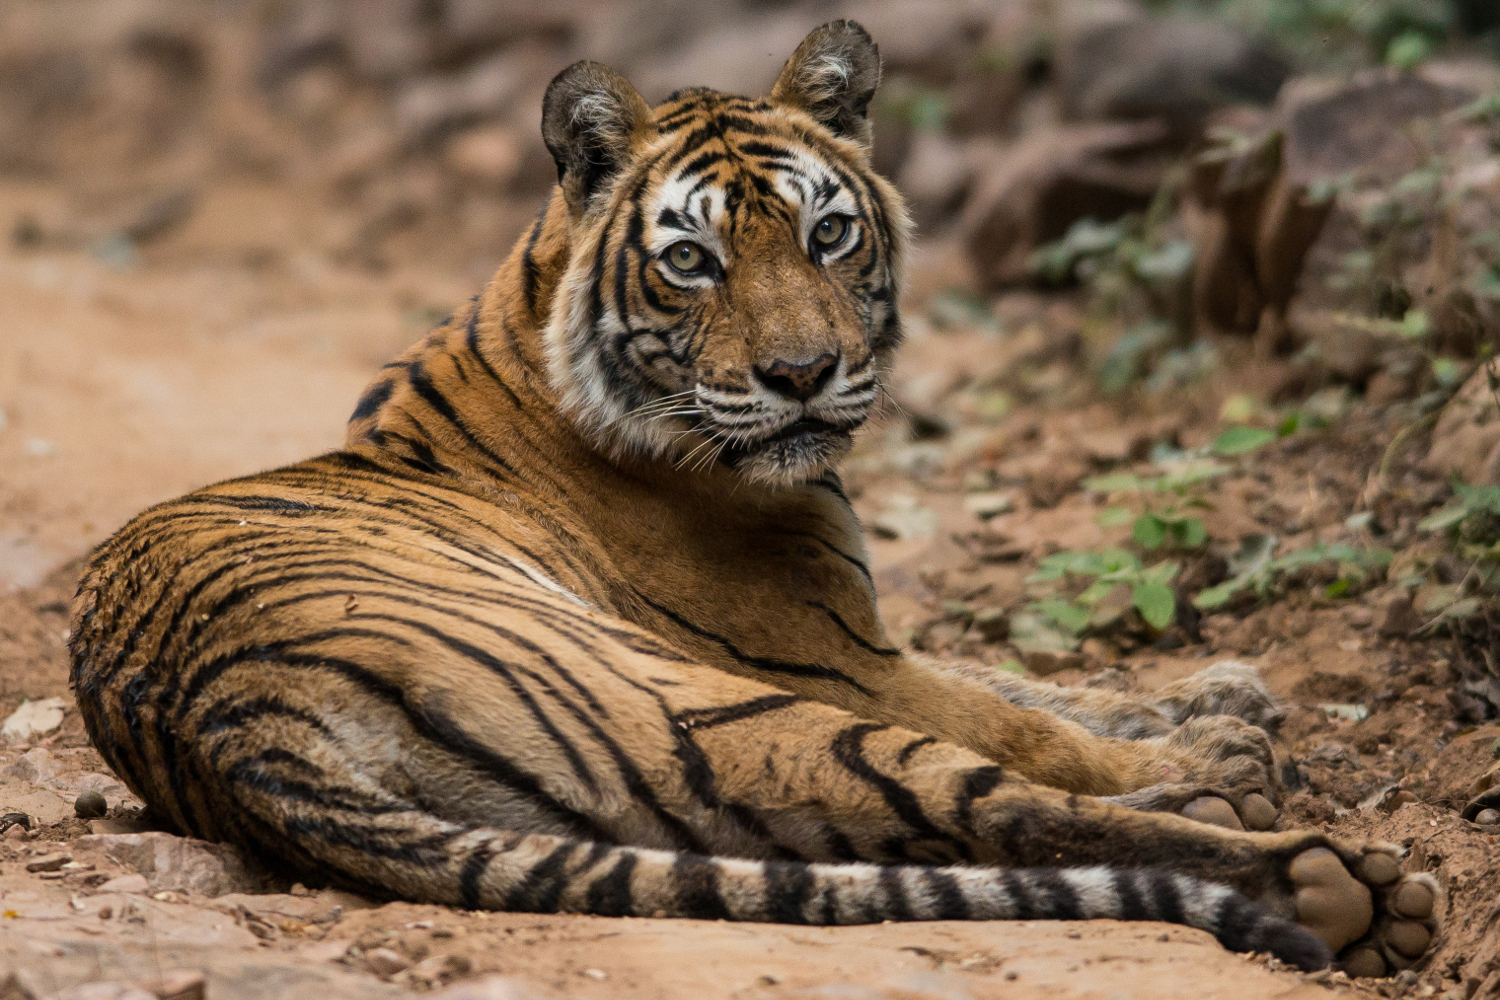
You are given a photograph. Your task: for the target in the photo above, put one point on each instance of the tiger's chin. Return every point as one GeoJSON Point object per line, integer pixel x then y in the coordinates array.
{"type": "Point", "coordinates": [796, 454]}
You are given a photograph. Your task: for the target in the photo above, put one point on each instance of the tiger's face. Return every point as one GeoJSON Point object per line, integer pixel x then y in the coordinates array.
{"type": "Point", "coordinates": [731, 291]}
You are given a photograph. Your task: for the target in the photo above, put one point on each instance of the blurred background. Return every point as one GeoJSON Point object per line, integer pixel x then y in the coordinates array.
{"type": "Point", "coordinates": [1201, 322]}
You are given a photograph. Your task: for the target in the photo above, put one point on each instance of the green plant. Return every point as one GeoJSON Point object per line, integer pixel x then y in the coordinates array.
{"type": "Point", "coordinates": [1167, 499]}
{"type": "Point", "coordinates": [1112, 572]}
{"type": "Point", "coordinates": [1258, 569]}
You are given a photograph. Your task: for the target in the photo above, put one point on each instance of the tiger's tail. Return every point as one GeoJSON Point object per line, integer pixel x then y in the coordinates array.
{"type": "Point", "coordinates": [421, 857]}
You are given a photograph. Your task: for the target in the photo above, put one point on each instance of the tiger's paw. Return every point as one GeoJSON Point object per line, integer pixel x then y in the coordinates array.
{"type": "Point", "coordinates": [1246, 807]}
{"type": "Point", "coordinates": [1374, 918]}
{"type": "Point", "coordinates": [1225, 688]}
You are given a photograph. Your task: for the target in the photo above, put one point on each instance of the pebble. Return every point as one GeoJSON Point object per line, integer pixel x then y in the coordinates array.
{"type": "Point", "coordinates": [181, 984]}
{"type": "Point", "coordinates": [1488, 817]}
{"type": "Point", "coordinates": [90, 805]}
{"type": "Point", "coordinates": [49, 862]}
{"type": "Point", "coordinates": [385, 962]}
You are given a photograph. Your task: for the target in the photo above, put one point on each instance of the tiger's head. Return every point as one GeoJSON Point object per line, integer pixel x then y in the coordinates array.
{"type": "Point", "coordinates": [731, 287]}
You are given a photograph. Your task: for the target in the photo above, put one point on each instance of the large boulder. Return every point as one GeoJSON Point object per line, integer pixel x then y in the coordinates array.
{"type": "Point", "coordinates": [1117, 62]}
{"type": "Point", "coordinates": [1031, 192]}
{"type": "Point", "coordinates": [1334, 126]}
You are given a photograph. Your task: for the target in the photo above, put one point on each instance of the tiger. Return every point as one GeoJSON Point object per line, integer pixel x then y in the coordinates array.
{"type": "Point", "coordinates": [580, 618]}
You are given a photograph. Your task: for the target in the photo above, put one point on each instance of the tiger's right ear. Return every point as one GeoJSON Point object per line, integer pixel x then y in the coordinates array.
{"type": "Point", "coordinates": [590, 116]}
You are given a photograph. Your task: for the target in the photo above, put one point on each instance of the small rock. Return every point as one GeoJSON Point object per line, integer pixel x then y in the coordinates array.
{"type": "Point", "coordinates": [987, 505]}
{"type": "Point", "coordinates": [488, 988]}
{"type": "Point", "coordinates": [177, 864]}
{"type": "Point", "coordinates": [1046, 662]}
{"type": "Point", "coordinates": [435, 970]}
{"type": "Point", "coordinates": [906, 520]}
{"type": "Point", "coordinates": [33, 718]}
{"type": "Point", "coordinates": [90, 805]}
{"type": "Point", "coordinates": [1337, 124]}
{"type": "Point", "coordinates": [180, 984]}
{"type": "Point", "coordinates": [385, 962]}
{"type": "Point", "coordinates": [1488, 817]}
{"type": "Point", "coordinates": [49, 862]}
{"type": "Point", "coordinates": [37, 766]}
{"type": "Point", "coordinates": [104, 991]}
{"type": "Point", "coordinates": [1398, 618]}
{"type": "Point", "coordinates": [993, 624]}
{"type": "Point", "coordinates": [15, 833]}
{"type": "Point", "coordinates": [1359, 616]}
{"type": "Point", "coordinates": [126, 883]}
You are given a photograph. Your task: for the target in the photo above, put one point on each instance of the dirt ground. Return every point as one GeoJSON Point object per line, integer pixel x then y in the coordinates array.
{"type": "Point", "coordinates": [239, 338]}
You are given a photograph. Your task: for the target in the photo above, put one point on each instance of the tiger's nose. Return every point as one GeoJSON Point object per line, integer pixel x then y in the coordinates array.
{"type": "Point", "coordinates": [799, 380]}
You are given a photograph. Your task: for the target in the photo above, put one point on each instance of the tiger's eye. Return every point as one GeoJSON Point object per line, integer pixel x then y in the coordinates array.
{"type": "Point", "coordinates": [687, 258]}
{"type": "Point", "coordinates": [831, 231]}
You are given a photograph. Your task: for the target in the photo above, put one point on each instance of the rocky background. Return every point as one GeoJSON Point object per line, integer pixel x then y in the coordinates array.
{"type": "Point", "coordinates": [1201, 328]}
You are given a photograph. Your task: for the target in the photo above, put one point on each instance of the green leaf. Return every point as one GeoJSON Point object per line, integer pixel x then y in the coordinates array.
{"type": "Point", "coordinates": [1149, 531]}
{"type": "Point", "coordinates": [1414, 325]}
{"type": "Point", "coordinates": [1446, 517]}
{"type": "Point", "coordinates": [1160, 573]}
{"type": "Point", "coordinates": [1218, 596]}
{"type": "Point", "coordinates": [1408, 50]}
{"type": "Point", "coordinates": [1113, 517]}
{"type": "Point", "coordinates": [1156, 603]}
{"type": "Point", "coordinates": [1010, 667]}
{"type": "Point", "coordinates": [1065, 613]}
{"type": "Point", "coordinates": [1114, 484]}
{"type": "Point", "coordinates": [1239, 440]}
{"type": "Point", "coordinates": [1096, 592]}
{"type": "Point", "coordinates": [1339, 587]}
{"type": "Point", "coordinates": [1189, 533]}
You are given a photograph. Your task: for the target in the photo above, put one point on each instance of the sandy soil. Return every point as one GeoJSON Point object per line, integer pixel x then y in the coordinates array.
{"type": "Point", "coordinates": [231, 347]}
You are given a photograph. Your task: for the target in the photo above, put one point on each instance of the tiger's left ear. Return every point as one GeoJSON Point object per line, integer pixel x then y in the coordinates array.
{"type": "Point", "coordinates": [832, 76]}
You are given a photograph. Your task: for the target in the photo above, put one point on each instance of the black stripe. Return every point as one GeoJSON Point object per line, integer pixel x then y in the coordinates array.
{"type": "Point", "coordinates": [897, 906]}
{"type": "Point", "coordinates": [610, 895]}
{"type": "Point", "coordinates": [947, 895]}
{"type": "Point", "coordinates": [788, 887]}
{"type": "Point", "coordinates": [848, 750]}
{"type": "Point", "coordinates": [470, 876]}
{"type": "Point", "coordinates": [543, 885]}
{"type": "Point", "coordinates": [708, 718]}
{"type": "Point", "coordinates": [859, 640]}
{"type": "Point", "coordinates": [759, 662]}
{"type": "Point", "coordinates": [696, 880]}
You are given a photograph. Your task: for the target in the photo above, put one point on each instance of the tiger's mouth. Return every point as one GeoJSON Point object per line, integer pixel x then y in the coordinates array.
{"type": "Point", "coordinates": [801, 450]}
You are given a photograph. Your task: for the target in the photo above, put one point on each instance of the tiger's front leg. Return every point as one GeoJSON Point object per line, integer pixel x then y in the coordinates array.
{"type": "Point", "coordinates": [1205, 705]}
{"type": "Point", "coordinates": [1219, 769]}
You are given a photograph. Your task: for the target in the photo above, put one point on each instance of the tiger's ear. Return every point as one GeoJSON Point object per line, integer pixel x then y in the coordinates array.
{"type": "Point", "coordinates": [832, 76]}
{"type": "Point", "coordinates": [590, 117]}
